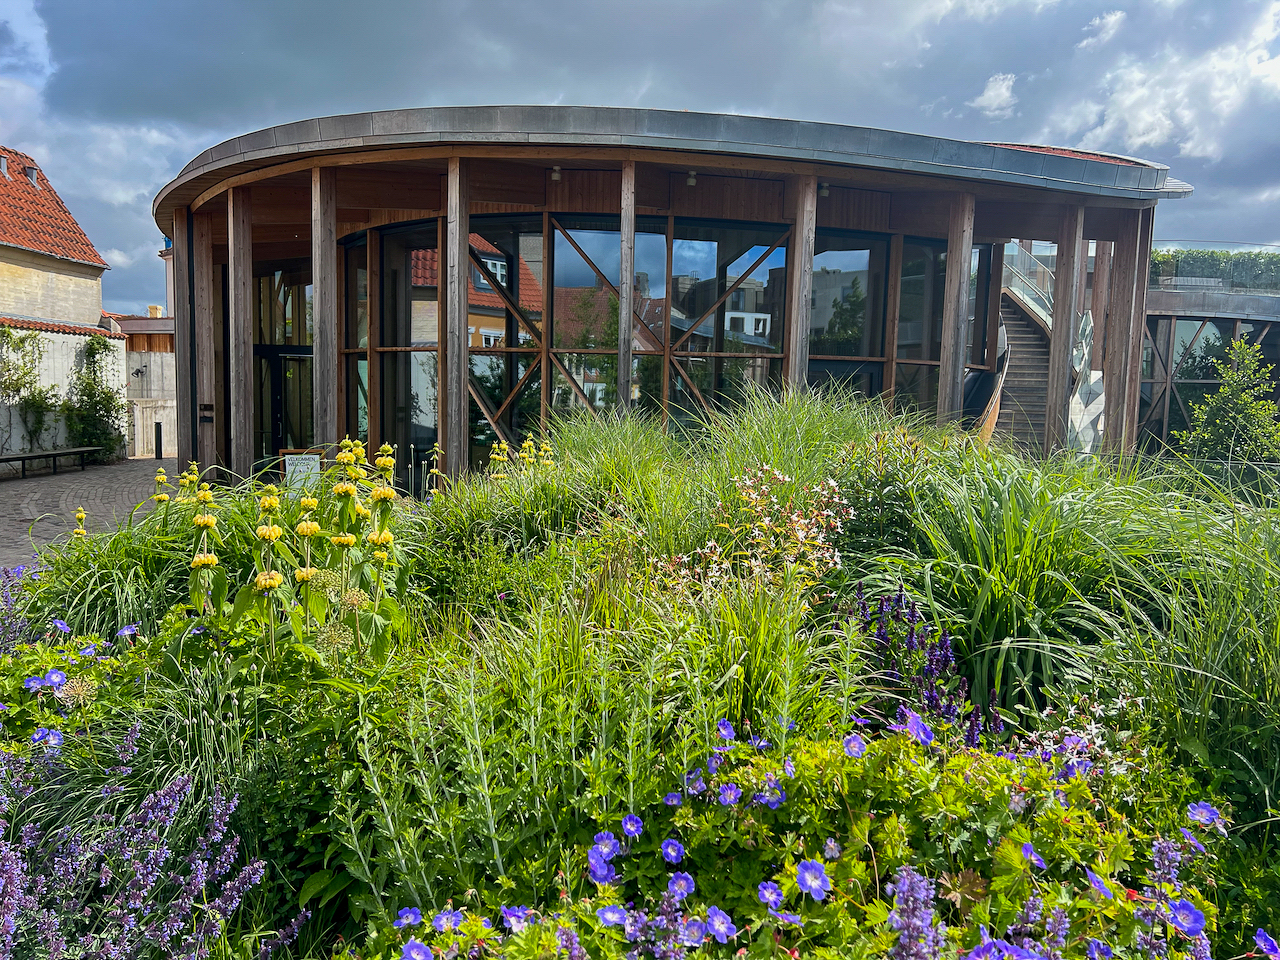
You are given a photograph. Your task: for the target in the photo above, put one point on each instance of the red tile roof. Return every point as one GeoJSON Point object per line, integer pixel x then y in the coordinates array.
{"type": "Point", "coordinates": [78, 329]}
{"type": "Point", "coordinates": [35, 218]}
{"type": "Point", "coordinates": [426, 273]}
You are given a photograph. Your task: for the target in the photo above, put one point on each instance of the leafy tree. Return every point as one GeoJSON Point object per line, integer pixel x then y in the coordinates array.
{"type": "Point", "coordinates": [1239, 422]}
{"type": "Point", "coordinates": [848, 315]}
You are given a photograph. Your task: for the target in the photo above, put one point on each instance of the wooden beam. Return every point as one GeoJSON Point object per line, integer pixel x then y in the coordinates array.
{"type": "Point", "coordinates": [1142, 280]}
{"type": "Point", "coordinates": [892, 307]}
{"type": "Point", "coordinates": [1120, 312]}
{"type": "Point", "coordinates": [456, 367]}
{"type": "Point", "coordinates": [240, 305]}
{"type": "Point", "coordinates": [1062, 337]}
{"type": "Point", "coordinates": [373, 336]}
{"type": "Point", "coordinates": [993, 303]}
{"type": "Point", "coordinates": [324, 306]}
{"type": "Point", "coordinates": [627, 284]}
{"type": "Point", "coordinates": [1098, 303]}
{"type": "Point", "coordinates": [955, 308]}
{"type": "Point", "coordinates": [800, 281]}
{"type": "Point", "coordinates": [183, 341]}
{"type": "Point", "coordinates": [206, 329]}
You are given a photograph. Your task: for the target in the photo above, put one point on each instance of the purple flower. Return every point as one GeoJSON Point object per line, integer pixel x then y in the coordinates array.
{"type": "Point", "coordinates": [1098, 883]}
{"type": "Point", "coordinates": [919, 938]}
{"type": "Point", "coordinates": [1098, 950]}
{"type": "Point", "coordinates": [1266, 944]}
{"type": "Point", "coordinates": [612, 916]}
{"type": "Point", "coordinates": [725, 730]}
{"type": "Point", "coordinates": [811, 877]}
{"type": "Point", "coordinates": [55, 679]}
{"type": "Point", "coordinates": [692, 932]}
{"type": "Point", "coordinates": [720, 925]}
{"type": "Point", "coordinates": [673, 799]}
{"type": "Point", "coordinates": [129, 630]}
{"type": "Point", "coordinates": [696, 787]}
{"type": "Point", "coordinates": [1029, 853]}
{"type": "Point", "coordinates": [446, 920]}
{"type": "Point", "coordinates": [672, 850]}
{"type": "Point", "coordinates": [730, 793]}
{"type": "Point", "coordinates": [788, 768]}
{"type": "Point", "coordinates": [918, 729]}
{"type": "Point", "coordinates": [1203, 813]}
{"type": "Point", "coordinates": [33, 683]}
{"type": "Point", "coordinates": [89, 651]}
{"type": "Point", "coordinates": [854, 745]}
{"type": "Point", "coordinates": [680, 885]}
{"type": "Point", "coordinates": [416, 949]}
{"type": "Point", "coordinates": [790, 918]}
{"type": "Point", "coordinates": [62, 626]}
{"type": "Point", "coordinates": [632, 825]}
{"type": "Point", "coordinates": [516, 918]}
{"type": "Point", "coordinates": [607, 844]}
{"type": "Point", "coordinates": [1192, 840]}
{"type": "Point", "coordinates": [760, 743]}
{"type": "Point", "coordinates": [1185, 916]}
{"type": "Point", "coordinates": [770, 895]}
{"type": "Point", "coordinates": [408, 917]}
{"type": "Point", "coordinates": [831, 849]}
{"type": "Point", "coordinates": [599, 867]}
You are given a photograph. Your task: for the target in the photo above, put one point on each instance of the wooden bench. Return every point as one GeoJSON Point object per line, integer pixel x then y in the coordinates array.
{"type": "Point", "coordinates": [50, 455]}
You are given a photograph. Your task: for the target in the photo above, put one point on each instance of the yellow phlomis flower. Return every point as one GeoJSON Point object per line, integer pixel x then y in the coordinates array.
{"type": "Point", "coordinates": [269, 531]}
{"type": "Point", "coordinates": [308, 528]}
{"type": "Point", "coordinates": [343, 540]}
{"type": "Point", "coordinates": [309, 503]}
{"type": "Point", "coordinates": [268, 580]}
{"type": "Point", "coordinates": [204, 560]}
{"type": "Point", "coordinates": [383, 538]}
{"type": "Point", "coordinates": [303, 574]}
{"type": "Point", "coordinates": [206, 520]}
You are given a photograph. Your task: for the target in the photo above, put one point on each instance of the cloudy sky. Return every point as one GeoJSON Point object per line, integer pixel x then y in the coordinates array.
{"type": "Point", "coordinates": [112, 97]}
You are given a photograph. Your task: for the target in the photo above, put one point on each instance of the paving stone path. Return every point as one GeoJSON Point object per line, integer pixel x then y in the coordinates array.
{"type": "Point", "coordinates": [41, 508]}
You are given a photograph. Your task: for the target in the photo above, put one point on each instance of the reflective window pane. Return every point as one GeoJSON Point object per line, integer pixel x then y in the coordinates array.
{"type": "Point", "coordinates": [506, 252]}
{"type": "Point", "coordinates": [358, 397]}
{"type": "Point", "coordinates": [410, 406]}
{"type": "Point", "coordinates": [915, 388]}
{"type": "Point", "coordinates": [846, 316]}
{"type": "Point", "coordinates": [585, 308]}
{"type": "Point", "coordinates": [410, 287]}
{"type": "Point", "coordinates": [595, 377]}
{"type": "Point", "coordinates": [1198, 359]}
{"type": "Point", "coordinates": [865, 377]}
{"type": "Point", "coordinates": [357, 293]}
{"type": "Point", "coordinates": [725, 381]}
{"type": "Point", "coordinates": [924, 278]}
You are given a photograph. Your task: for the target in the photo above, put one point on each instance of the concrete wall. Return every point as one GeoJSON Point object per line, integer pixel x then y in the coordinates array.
{"type": "Point", "coordinates": [62, 356]}
{"type": "Point", "coordinates": [152, 393]}
{"type": "Point", "coordinates": [1208, 303]}
{"type": "Point", "coordinates": [45, 288]}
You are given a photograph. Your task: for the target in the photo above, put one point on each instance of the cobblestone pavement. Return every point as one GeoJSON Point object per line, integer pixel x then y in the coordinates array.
{"type": "Point", "coordinates": [42, 508]}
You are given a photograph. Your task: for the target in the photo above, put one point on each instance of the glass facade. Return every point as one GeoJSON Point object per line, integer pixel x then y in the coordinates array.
{"type": "Point", "coordinates": [847, 311]}
{"type": "Point", "coordinates": [282, 347]}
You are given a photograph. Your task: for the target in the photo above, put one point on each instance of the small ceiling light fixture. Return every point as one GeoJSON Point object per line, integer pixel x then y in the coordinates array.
{"type": "Point", "coordinates": [824, 189]}
{"type": "Point", "coordinates": [692, 179]}
{"type": "Point", "coordinates": [555, 173]}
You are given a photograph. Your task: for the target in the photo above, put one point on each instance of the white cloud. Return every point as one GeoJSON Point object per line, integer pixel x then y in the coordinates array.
{"type": "Point", "coordinates": [1106, 26]}
{"type": "Point", "coordinates": [1172, 97]}
{"type": "Point", "coordinates": [997, 99]}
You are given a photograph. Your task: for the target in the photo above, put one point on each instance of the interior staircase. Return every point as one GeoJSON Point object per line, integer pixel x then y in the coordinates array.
{"type": "Point", "coordinates": [1022, 403]}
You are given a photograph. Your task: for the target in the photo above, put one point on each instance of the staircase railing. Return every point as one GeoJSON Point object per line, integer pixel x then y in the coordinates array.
{"type": "Point", "coordinates": [1030, 280]}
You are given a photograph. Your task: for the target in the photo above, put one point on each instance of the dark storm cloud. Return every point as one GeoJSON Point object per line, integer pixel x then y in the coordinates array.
{"type": "Point", "coordinates": [127, 93]}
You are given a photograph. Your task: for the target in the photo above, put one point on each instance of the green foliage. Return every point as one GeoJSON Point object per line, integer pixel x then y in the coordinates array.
{"type": "Point", "coordinates": [94, 410]}
{"type": "Point", "coordinates": [1252, 269]}
{"type": "Point", "coordinates": [20, 355]}
{"type": "Point", "coordinates": [1239, 422]}
{"type": "Point", "coordinates": [34, 407]}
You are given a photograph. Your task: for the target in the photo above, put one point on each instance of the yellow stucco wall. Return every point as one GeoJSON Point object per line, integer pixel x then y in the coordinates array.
{"type": "Point", "coordinates": [33, 285]}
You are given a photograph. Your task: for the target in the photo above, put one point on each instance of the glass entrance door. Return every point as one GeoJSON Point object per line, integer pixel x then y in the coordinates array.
{"type": "Point", "coordinates": [283, 388]}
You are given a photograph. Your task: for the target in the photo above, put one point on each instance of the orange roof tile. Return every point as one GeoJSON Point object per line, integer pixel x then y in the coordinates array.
{"type": "Point", "coordinates": [34, 217]}
{"type": "Point", "coordinates": [80, 330]}
{"type": "Point", "coordinates": [425, 271]}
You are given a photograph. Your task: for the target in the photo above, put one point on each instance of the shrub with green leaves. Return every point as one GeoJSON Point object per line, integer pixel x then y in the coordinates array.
{"type": "Point", "coordinates": [1240, 421]}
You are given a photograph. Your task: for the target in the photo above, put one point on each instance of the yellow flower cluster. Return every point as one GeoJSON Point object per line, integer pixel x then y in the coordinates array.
{"type": "Point", "coordinates": [344, 489]}
{"type": "Point", "coordinates": [308, 528]}
{"type": "Point", "coordinates": [268, 580]}
{"type": "Point", "coordinates": [205, 520]}
{"type": "Point", "coordinates": [382, 493]}
{"type": "Point", "coordinates": [269, 531]}
{"type": "Point", "coordinates": [201, 560]}
{"type": "Point", "coordinates": [346, 458]}
{"type": "Point", "coordinates": [79, 531]}
{"type": "Point", "coordinates": [269, 503]}
{"type": "Point", "coordinates": [204, 495]}
{"type": "Point", "coordinates": [382, 538]}
{"type": "Point", "coordinates": [160, 498]}
{"type": "Point", "coordinates": [303, 574]}
{"type": "Point", "coordinates": [343, 540]}
{"type": "Point", "coordinates": [308, 503]}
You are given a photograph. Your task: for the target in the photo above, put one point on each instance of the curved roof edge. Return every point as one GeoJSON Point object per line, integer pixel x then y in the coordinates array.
{"type": "Point", "coordinates": [799, 140]}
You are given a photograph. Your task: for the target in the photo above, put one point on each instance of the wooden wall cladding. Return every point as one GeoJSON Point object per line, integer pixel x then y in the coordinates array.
{"type": "Point", "coordinates": [854, 210]}
{"type": "Point", "coordinates": [653, 188]}
{"type": "Point", "coordinates": [585, 191]}
{"type": "Point", "coordinates": [920, 214]}
{"type": "Point", "coordinates": [728, 198]}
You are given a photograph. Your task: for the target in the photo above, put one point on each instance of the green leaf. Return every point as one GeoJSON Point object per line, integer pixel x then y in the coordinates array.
{"type": "Point", "coordinates": [243, 599]}
{"type": "Point", "coordinates": [315, 883]}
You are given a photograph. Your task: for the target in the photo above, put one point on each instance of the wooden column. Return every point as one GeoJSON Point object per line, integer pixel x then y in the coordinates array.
{"type": "Point", "coordinates": [240, 317]}
{"type": "Point", "coordinates": [1062, 337]}
{"type": "Point", "coordinates": [207, 326]}
{"type": "Point", "coordinates": [183, 342]}
{"type": "Point", "coordinates": [626, 284]}
{"type": "Point", "coordinates": [1115, 365]}
{"type": "Point", "coordinates": [1142, 280]}
{"type": "Point", "coordinates": [373, 336]}
{"type": "Point", "coordinates": [454, 378]}
{"type": "Point", "coordinates": [800, 281]}
{"type": "Point", "coordinates": [955, 308]}
{"type": "Point", "coordinates": [994, 293]}
{"type": "Point", "coordinates": [1098, 303]}
{"type": "Point", "coordinates": [324, 305]}
{"type": "Point", "coordinates": [892, 307]}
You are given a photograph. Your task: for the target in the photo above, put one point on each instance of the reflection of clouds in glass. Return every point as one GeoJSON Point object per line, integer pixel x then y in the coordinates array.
{"type": "Point", "coordinates": [776, 259]}
{"type": "Point", "coordinates": [604, 249]}
{"type": "Point", "coordinates": [651, 258]}
{"type": "Point", "coordinates": [689, 257]}
{"type": "Point", "coordinates": [842, 260]}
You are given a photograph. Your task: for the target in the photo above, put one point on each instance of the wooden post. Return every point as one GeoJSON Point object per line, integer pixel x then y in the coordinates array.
{"type": "Point", "coordinates": [994, 293]}
{"type": "Point", "coordinates": [1142, 280]}
{"type": "Point", "coordinates": [454, 379]}
{"type": "Point", "coordinates": [892, 307]}
{"type": "Point", "coordinates": [1062, 336]}
{"type": "Point", "coordinates": [1115, 364]}
{"type": "Point", "coordinates": [626, 284]}
{"type": "Point", "coordinates": [324, 305]}
{"type": "Point", "coordinates": [183, 343]}
{"type": "Point", "coordinates": [955, 308]}
{"type": "Point", "coordinates": [800, 281]}
{"type": "Point", "coordinates": [373, 336]}
{"type": "Point", "coordinates": [240, 317]}
{"type": "Point", "coordinates": [1098, 302]}
{"type": "Point", "coordinates": [206, 328]}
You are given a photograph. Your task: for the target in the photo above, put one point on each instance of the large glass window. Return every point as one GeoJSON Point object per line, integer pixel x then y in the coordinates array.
{"type": "Point", "coordinates": [282, 339]}
{"type": "Point", "coordinates": [355, 349]}
{"type": "Point", "coordinates": [846, 315]}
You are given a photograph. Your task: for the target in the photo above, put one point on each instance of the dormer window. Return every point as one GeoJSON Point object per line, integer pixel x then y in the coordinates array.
{"type": "Point", "coordinates": [4, 167]}
{"type": "Point", "coordinates": [33, 174]}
